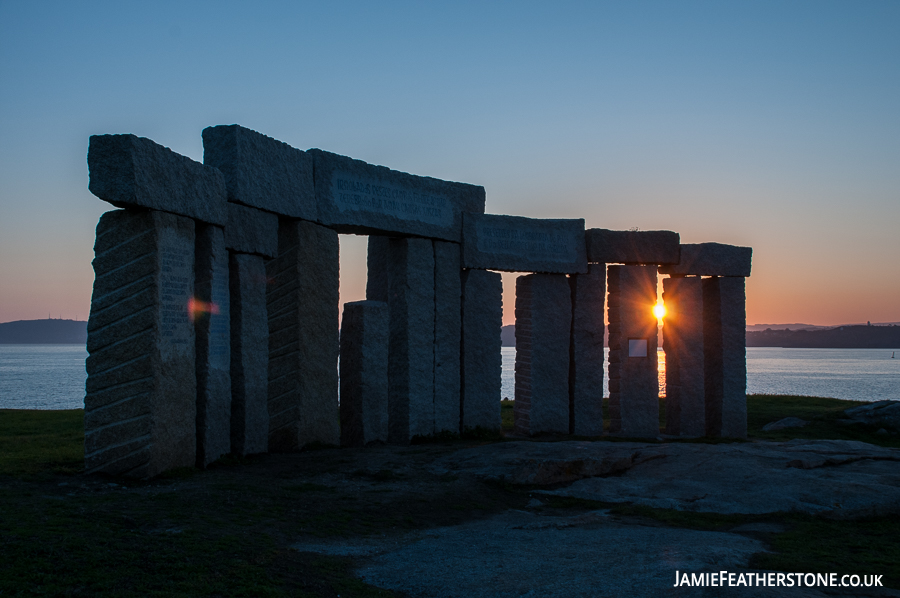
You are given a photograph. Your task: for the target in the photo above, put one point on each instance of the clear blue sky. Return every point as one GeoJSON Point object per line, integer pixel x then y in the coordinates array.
{"type": "Point", "coordinates": [769, 124]}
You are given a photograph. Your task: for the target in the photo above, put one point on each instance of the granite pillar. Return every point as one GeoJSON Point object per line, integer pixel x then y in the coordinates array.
{"type": "Point", "coordinates": [725, 358]}
{"type": "Point", "coordinates": [447, 331]}
{"type": "Point", "coordinates": [482, 320]}
{"type": "Point", "coordinates": [141, 390]}
{"type": "Point", "coordinates": [410, 267]}
{"type": "Point", "coordinates": [683, 342]}
{"type": "Point", "coordinates": [522, 404]}
{"type": "Point", "coordinates": [586, 359]}
{"type": "Point", "coordinates": [364, 373]}
{"type": "Point", "coordinates": [249, 355]}
{"type": "Point", "coordinates": [302, 303]}
{"type": "Point", "coordinates": [250, 237]}
{"type": "Point", "coordinates": [212, 323]}
{"type": "Point", "coordinates": [633, 367]}
{"type": "Point", "coordinates": [376, 269]}
{"type": "Point", "coordinates": [545, 311]}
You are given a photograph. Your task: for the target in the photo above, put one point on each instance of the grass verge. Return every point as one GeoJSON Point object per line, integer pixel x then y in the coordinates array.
{"type": "Point", "coordinates": [228, 531]}
{"type": "Point", "coordinates": [33, 442]}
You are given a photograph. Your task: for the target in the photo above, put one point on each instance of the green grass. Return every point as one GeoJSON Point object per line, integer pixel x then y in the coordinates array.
{"type": "Point", "coordinates": [34, 442]}
{"type": "Point", "coordinates": [822, 414]}
{"type": "Point", "coordinates": [66, 534]}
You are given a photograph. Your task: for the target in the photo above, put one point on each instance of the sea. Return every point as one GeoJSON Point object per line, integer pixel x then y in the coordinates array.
{"type": "Point", "coordinates": [53, 376]}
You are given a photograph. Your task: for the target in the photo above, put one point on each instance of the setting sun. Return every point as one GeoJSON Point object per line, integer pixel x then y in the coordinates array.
{"type": "Point", "coordinates": [659, 310]}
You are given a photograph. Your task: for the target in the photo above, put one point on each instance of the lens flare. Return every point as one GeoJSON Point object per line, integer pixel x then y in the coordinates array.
{"type": "Point", "coordinates": [659, 310]}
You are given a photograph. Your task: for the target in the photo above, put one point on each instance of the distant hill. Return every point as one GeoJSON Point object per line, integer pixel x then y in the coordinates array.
{"type": "Point", "coordinates": [761, 327]}
{"type": "Point", "coordinates": [841, 337]}
{"type": "Point", "coordinates": [43, 332]}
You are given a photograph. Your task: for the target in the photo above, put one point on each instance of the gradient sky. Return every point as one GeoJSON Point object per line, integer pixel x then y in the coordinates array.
{"type": "Point", "coordinates": [769, 124]}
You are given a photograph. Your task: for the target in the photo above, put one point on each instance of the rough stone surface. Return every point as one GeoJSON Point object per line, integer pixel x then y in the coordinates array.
{"type": "Point", "coordinates": [447, 330]}
{"type": "Point", "coordinates": [376, 269]}
{"type": "Point", "coordinates": [590, 555]}
{"type": "Point", "coordinates": [303, 337]}
{"type": "Point", "coordinates": [261, 172]}
{"type": "Point", "coordinates": [633, 380]}
{"type": "Point", "coordinates": [134, 172]}
{"type": "Point", "coordinates": [725, 356]}
{"type": "Point", "coordinates": [482, 319]}
{"type": "Point", "coordinates": [410, 267]}
{"type": "Point", "coordinates": [586, 367]}
{"type": "Point", "coordinates": [711, 259]}
{"type": "Point", "coordinates": [885, 414]}
{"type": "Point", "coordinates": [212, 327]}
{"type": "Point", "coordinates": [782, 424]}
{"type": "Point", "coordinates": [364, 373]}
{"type": "Point", "coordinates": [249, 355]}
{"type": "Point", "coordinates": [141, 392]}
{"type": "Point", "coordinates": [356, 197]}
{"type": "Point", "coordinates": [251, 231]}
{"type": "Point", "coordinates": [544, 324]}
{"type": "Point", "coordinates": [683, 342]}
{"type": "Point", "coordinates": [839, 478]}
{"type": "Point", "coordinates": [518, 244]}
{"type": "Point", "coordinates": [632, 247]}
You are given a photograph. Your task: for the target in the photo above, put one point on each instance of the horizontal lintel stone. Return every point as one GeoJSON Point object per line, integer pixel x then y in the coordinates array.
{"type": "Point", "coordinates": [632, 247]}
{"type": "Point", "coordinates": [135, 172]}
{"type": "Point", "coordinates": [251, 231]}
{"type": "Point", "coordinates": [518, 244]}
{"type": "Point", "coordinates": [356, 197]}
{"type": "Point", "coordinates": [262, 172]}
{"type": "Point", "coordinates": [712, 259]}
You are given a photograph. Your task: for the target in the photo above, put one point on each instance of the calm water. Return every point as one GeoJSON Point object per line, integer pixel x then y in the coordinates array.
{"type": "Point", "coordinates": [42, 376]}
{"type": "Point", "coordinates": [857, 374]}
{"type": "Point", "coordinates": [52, 376]}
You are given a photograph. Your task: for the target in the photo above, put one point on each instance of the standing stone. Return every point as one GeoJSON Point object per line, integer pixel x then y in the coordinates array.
{"type": "Point", "coordinates": [410, 266]}
{"type": "Point", "coordinates": [250, 237]}
{"type": "Point", "coordinates": [586, 373]}
{"type": "Point", "coordinates": [251, 231]}
{"type": "Point", "coordinates": [725, 356]}
{"type": "Point", "coordinates": [364, 373]}
{"type": "Point", "coordinates": [518, 244]}
{"type": "Point", "coordinates": [212, 321]}
{"type": "Point", "coordinates": [303, 337]}
{"type": "Point", "coordinates": [135, 172]}
{"type": "Point", "coordinates": [683, 342]}
{"type": "Point", "coordinates": [632, 247]}
{"type": "Point", "coordinates": [482, 321]}
{"type": "Point", "coordinates": [633, 367]}
{"type": "Point", "coordinates": [249, 355]}
{"type": "Point", "coordinates": [447, 330]}
{"type": "Point", "coordinates": [545, 311]}
{"type": "Point", "coordinates": [359, 198]}
{"type": "Point", "coordinates": [141, 390]}
{"type": "Point", "coordinates": [711, 259]}
{"type": "Point", "coordinates": [376, 267]}
{"type": "Point", "coordinates": [262, 172]}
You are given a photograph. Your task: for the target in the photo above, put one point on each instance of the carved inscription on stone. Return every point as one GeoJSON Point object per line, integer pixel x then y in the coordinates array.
{"type": "Point", "coordinates": [527, 242]}
{"type": "Point", "coordinates": [353, 194]}
{"type": "Point", "coordinates": [176, 257]}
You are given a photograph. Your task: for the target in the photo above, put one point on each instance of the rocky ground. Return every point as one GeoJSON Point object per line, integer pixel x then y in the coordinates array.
{"type": "Point", "coordinates": [547, 517]}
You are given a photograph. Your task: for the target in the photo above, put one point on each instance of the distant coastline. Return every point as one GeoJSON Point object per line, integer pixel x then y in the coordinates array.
{"type": "Point", "coordinates": [74, 332]}
{"type": "Point", "coordinates": [43, 332]}
{"type": "Point", "coordinates": [840, 337]}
